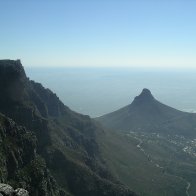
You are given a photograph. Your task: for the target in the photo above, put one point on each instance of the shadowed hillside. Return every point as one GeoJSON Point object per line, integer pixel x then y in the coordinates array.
{"type": "Point", "coordinates": [147, 114]}
{"type": "Point", "coordinates": [66, 142]}
{"type": "Point", "coordinates": [151, 147]}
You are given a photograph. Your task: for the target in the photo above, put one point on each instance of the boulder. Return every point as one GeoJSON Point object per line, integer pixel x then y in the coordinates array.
{"type": "Point", "coordinates": [6, 190]}
{"type": "Point", "coordinates": [21, 192]}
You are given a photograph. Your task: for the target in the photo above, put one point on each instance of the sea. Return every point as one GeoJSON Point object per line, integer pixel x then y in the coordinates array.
{"type": "Point", "coordinates": [97, 91]}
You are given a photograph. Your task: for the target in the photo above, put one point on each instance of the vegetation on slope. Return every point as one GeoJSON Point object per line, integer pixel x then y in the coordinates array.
{"type": "Point", "coordinates": [131, 166]}
{"type": "Point", "coordinates": [146, 114]}
{"type": "Point", "coordinates": [66, 141]}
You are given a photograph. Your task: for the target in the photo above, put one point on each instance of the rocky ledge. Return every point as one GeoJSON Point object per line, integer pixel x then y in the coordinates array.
{"type": "Point", "coordinates": [7, 190]}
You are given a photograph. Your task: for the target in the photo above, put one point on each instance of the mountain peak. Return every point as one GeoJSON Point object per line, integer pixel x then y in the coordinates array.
{"type": "Point", "coordinates": [145, 95]}
{"type": "Point", "coordinates": [145, 92]}
{"type": "Point", "coordinates": [12, 79]}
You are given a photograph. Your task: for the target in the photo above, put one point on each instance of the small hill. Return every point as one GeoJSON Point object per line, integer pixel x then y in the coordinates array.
{"type": "Point", "coordinates": [147, 114]}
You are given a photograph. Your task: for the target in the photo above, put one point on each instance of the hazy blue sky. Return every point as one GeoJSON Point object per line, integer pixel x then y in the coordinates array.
{"type": "Point", "coordinates": [99, 32]}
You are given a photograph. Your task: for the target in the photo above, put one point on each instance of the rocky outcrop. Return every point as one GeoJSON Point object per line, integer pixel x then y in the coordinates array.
{"type": "Point", "coordinates": [18, 147]}
{"type": "Point", "coordinates": [47, 102]}
{"type": "Point", "coordinates": [21, 192]}
{"type": "Point", "coordinates": [145, 96]}
{"type": "Point", "coordinates": [12, 82]}
{"type": "Point", "coordinates": [20, 165]}
{"type": "Point", "coordinates": [7, 190]}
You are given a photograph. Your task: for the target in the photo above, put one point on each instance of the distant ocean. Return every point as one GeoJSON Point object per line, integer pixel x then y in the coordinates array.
{"type": "Point", "coordinates": [97, 91]}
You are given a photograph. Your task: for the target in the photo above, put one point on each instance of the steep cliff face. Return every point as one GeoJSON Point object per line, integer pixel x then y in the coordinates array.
{"type": "Point", "coordinates": [18, 147]}
{"type": "Point", "coordinates": [20, 165]}
{"type": "Point", "coordinates": [12, 81]}
{"type": "Point", "coordinates": [67, 147]}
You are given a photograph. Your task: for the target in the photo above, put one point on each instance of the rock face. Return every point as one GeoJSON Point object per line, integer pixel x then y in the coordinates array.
{"type": "Point", "coordinates": [12, 81]}
{"type": "Point", "coordinates": [147, 114]}
{"type": "Point", "coordinates": [54, 151]}
{"type": "Point", "coordinates": [7, 190]}
{"type": "Point", "coordinates": [145, 96]}
{"type": "Point", "coordinates": [18, 147]}
{"type": "Point", "coordinates": [21, 192]}
{"type": "Point", "coordinates": [20, 165]}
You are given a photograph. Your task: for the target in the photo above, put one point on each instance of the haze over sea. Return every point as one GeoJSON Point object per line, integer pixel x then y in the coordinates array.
{"type": "Point", "coordinates": [96, 91]}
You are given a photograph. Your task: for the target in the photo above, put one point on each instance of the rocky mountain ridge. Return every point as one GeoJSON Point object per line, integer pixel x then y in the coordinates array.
{"type": "Point", "coordinates": [64, 157]}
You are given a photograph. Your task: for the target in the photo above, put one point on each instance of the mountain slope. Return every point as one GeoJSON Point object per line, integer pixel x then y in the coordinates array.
{"type": "Point", "coordinates": [20, 165]}
{"type": "Point", "coordinates": [147, 114]}
{"type": "Point", "coordinates": [151, 147]}
{"type": "Point", "coordinates": [66, 140]}
{"type": "Point", "coordinates": [139, 170]}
